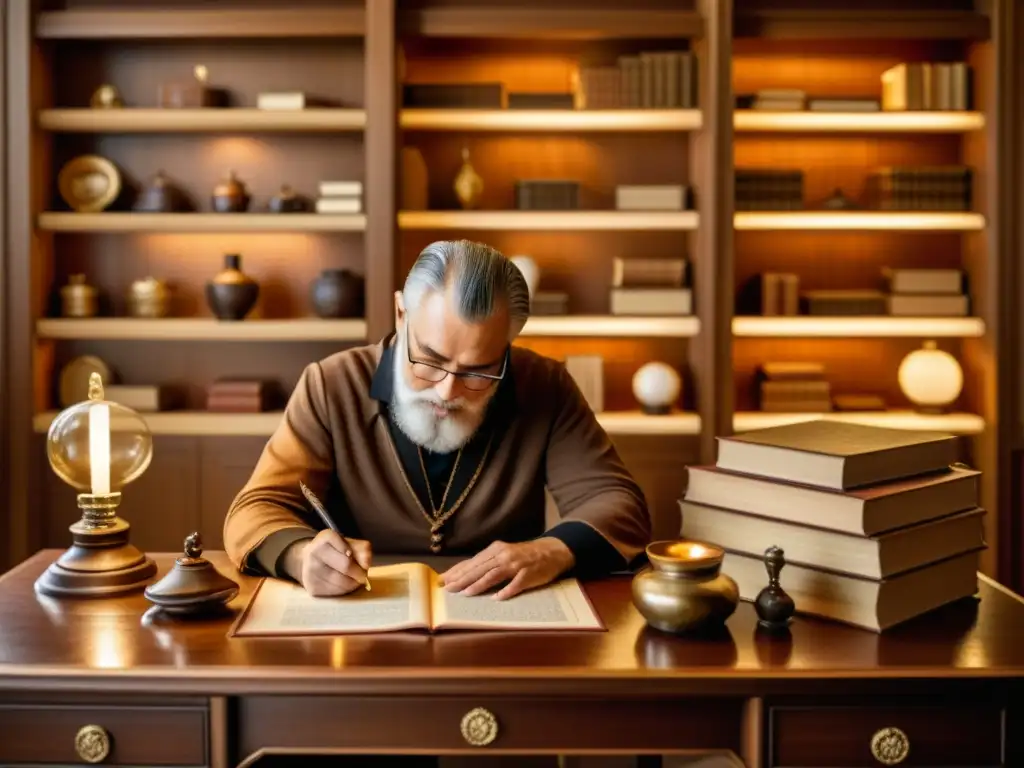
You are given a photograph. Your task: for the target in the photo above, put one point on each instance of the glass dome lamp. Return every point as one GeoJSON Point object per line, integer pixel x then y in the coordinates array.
{"type": "Point", "coordinates": [98, 447]}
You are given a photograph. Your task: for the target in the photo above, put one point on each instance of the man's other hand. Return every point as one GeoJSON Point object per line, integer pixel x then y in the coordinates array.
{"type": "Point", "coordinates": [329, 565]}
{"type": "Point", "coordinates": [524, 566]}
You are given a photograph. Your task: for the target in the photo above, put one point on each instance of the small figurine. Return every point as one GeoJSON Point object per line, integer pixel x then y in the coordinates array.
{"type": "Point", "coordinates": [774, 607]}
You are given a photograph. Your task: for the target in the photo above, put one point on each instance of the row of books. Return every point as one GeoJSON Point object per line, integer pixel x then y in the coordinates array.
{"type": "Point", "coordinates": [878, 525]}
{"type": "Point", "coordinates": [904, 293]}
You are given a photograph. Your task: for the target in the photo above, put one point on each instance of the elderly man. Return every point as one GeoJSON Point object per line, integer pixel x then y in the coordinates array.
{"type": "Point", "coordinates": [441, 440]}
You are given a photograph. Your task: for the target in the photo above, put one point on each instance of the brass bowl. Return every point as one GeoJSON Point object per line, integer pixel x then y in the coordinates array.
{"type": "Point", "coordinates": [684, 591]}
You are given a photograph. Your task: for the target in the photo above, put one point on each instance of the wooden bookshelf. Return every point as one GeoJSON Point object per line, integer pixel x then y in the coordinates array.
{"type": "Point", "coordinates": [235, 120]}
{"type": "Point", "coordinates": [857, 122]}
{"type": "Point", "coordinates": [201, 222]}
{"type": "Point", "coordinates": [360, 54]}
{"type": "Point", "coordinates": [199, 329]}
{"type": "Point", "coordinates": [551, 120]}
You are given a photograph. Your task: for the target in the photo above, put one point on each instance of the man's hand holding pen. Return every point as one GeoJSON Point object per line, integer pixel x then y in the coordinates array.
{"type": "Point", "coordinates": [329, 564]}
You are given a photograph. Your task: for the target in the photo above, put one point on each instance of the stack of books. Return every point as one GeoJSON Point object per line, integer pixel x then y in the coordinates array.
{"type": "Point", "coordinates": [926, 292]}
{"type": "Point", "coordinates": [340, 197]}
{"type": "Point", "coordinates": [642, 286]}
{"type": "Point", "coordinates": [878, 525]}
{"type": "Point", "coordinates": [793, 387]}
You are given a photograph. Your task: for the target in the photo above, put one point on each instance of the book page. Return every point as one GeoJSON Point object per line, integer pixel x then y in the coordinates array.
{"type": "Point", "coordinates": [562, 605]}
{"type": "Point", "coordinates": [399, 599]}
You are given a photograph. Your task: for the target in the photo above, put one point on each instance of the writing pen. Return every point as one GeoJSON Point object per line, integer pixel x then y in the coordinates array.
{"type": "Point", "coordinates": [319, 507]}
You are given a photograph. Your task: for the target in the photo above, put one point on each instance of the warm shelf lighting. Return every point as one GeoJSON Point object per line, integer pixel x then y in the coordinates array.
{"type": "Point", "coordinates": [551, 119]}
{"type": "Point", "coordinates": [200, 120]}
{"type": "Point", "coordinates": [859, 220]}
{"type": "Point", "coordinates": [201, 329]}
{"type": "Point", "coordinates": [202, 423]}
{"type": "Point", "coordinates": [957, 423]}
{"type": "Point", "coordinates": [637, 423]}
{"type": "Point", "coordinates": [201, 222]}
{"type": "Point", "coordinates": [849, 122]}
{"type": "Point", "coordinates": [549, 220]}
{"type": "Point", "coordinates": [611, 325]}
{"type": "Point", "coordinates": [879, 327]}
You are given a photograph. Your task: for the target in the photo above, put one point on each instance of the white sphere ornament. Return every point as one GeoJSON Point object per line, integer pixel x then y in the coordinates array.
{"type": "Point", "coordinates": [656, 387]}
{"type": "Point", "coordinates": [931, 378]}
{"type": "Point", "coordinates": [530, 270]}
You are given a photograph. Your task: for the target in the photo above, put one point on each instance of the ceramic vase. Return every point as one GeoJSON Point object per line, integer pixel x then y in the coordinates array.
{"type": "Point", "coordinates": [338, 293]}
{"type": "Point", "coordinates": [232, 294]}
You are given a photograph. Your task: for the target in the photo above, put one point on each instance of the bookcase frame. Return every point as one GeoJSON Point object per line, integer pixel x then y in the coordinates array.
{"type": "Point", "coordinates": [659, 450]}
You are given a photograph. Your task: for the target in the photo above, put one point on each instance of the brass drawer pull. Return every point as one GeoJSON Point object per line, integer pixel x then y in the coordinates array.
{"type": "Point", "coordinates": [479, 727]}
{"type": "Point", "coordinates": [92, 743]}
{"type": "Point", "coordinates": [890, 746]}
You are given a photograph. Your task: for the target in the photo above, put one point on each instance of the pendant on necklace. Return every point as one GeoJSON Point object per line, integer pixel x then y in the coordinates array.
{"type": "Point", "coordinates": [435, 542]}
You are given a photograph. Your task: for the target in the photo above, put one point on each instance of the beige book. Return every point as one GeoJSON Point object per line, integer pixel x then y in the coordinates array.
{"type": "Point", "coordinates": [411, 596]}
{"type": "Point", "coordinates": [873, 557]}
{"type": "Point", "coordinates": [866, 603]}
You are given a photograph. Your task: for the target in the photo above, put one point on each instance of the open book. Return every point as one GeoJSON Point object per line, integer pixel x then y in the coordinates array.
{"type": "Point", "coordinates": [410, 596]}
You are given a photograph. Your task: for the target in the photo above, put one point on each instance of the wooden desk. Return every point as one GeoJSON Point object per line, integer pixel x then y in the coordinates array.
{"type": "Point", "coordinates": [183, 694]}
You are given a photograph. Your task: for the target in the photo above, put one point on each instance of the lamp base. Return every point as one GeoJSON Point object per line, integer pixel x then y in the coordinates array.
{"type": "Point", "coordinates": [101, 561]}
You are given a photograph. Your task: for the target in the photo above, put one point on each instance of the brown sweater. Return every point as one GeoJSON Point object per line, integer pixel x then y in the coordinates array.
{"type": "Point", "coordinates": [337, 436]}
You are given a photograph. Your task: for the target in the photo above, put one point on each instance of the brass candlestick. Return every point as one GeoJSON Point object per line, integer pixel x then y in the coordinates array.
{"type": "Point", "coordinates": [98, 447]}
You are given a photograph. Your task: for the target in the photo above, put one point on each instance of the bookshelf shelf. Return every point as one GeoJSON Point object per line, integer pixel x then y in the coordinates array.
{"type": "Point", "coordinates": [203, 423]}
{"type": "Point", "coordinates": [552, 120]}
{"type": "Point", "coordinates": [857, 122]}
{"type": "Point", "coordinates": [595, 326]}
{"type": "Point", "coordinates": [160, 24]}
{"type": "Point", "coordinates": [862, 24]}
{"type": "Point", "coordinates": [858, 327]}
{"type": "Point", "coordinates": [859, 220]}
{"type": "Point", "coordinates": [201, 329]}
{"type": "Point", "coordinates": [957, 423]}
{"type": "Point", "coordinates": [201, 222]}
{"type": "Point", "coordinates": [200, 120]}
{"type": "Point", "coordinates": [195, 423]}
{"type": "Point", "coordinates": [554, 23]}
{"type": "Point", "coordinates": [549, 220]}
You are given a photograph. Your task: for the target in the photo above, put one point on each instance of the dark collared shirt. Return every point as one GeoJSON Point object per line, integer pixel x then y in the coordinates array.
{"type": "Point", "coordinates": [592, 552]}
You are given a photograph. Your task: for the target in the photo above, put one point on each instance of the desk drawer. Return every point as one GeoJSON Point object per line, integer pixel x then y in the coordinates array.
{"type": "Point", "coordinates": [373, 724]}
{"type": "Point", "coordinates": [934, 736]}
{"type": "Point", "coordinates": [116, 735]}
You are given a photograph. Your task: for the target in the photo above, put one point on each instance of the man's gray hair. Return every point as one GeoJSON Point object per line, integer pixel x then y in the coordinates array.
{"type": "Point", "coordinates": [480, 277]}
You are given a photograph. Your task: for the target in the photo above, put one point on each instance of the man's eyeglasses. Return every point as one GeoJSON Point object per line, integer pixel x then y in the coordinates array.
{"type": "Point", "coordinates": [472, 380]}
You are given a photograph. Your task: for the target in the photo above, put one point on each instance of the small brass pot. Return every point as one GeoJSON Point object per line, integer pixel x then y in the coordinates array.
{"type": "Point", "coordinates": [149, 298]}
{"type": "Point", "coordinates": [78, 298]}
{"type": "Point", "coordinates": [684, 590]}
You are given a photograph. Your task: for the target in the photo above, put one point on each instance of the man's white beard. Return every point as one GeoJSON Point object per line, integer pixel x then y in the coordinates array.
{"type": "Point", "coordinates": [414, 411]}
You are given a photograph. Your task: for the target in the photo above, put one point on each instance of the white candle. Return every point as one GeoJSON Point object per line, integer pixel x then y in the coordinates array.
{"type": "Point", "coordinates": [99, 448]}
